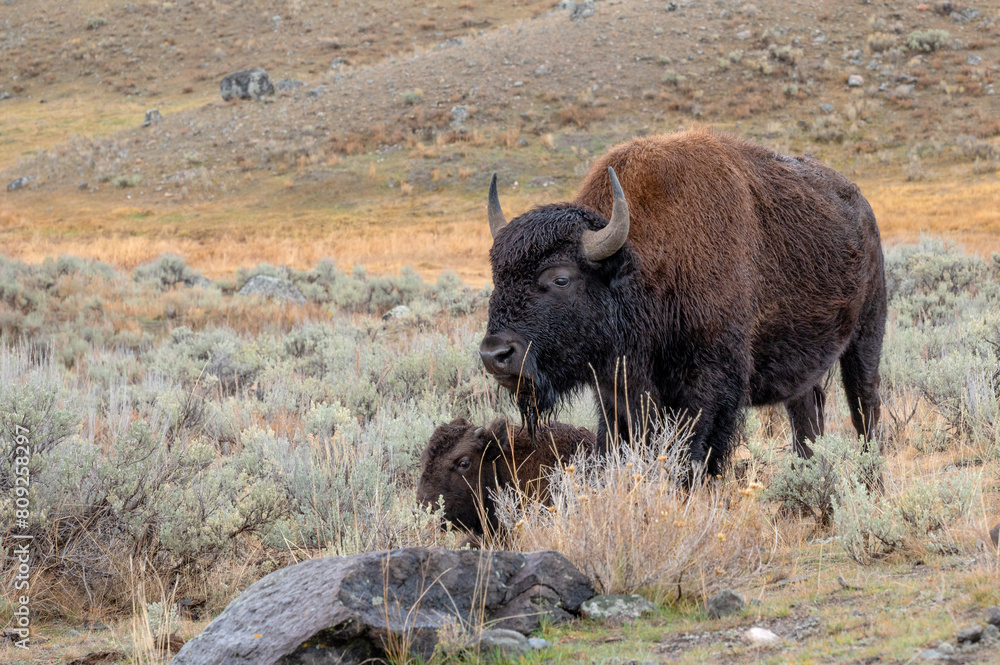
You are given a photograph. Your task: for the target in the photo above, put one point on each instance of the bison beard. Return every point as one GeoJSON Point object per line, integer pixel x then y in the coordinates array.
{"type": "Point", "coordinates": [732, 276]}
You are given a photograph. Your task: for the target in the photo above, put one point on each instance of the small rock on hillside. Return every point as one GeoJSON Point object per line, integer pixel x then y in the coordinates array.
{"type": "Point", "coordinates": [724, 603]}
{"type": "Point", "coordinates": [761, 637]}
{"type": "Point", "coordinates": [272, 287]}
{"type": "Point", "coordinates": [615, 607]}
{"type": "Point", "coordinates": [19, 183]}
{"type": "Point", "coordinates": [247, 84]}
{"type": "Point", "coordinates": [152, 116]}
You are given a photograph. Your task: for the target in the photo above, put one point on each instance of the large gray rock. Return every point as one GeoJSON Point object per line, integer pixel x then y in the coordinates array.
{"type": "Point", "coordinates": [994, 533]}
{"type": "Point", "coordinates": [247, 84]}
{"type": "Point", "coordinates": [272, 287]}
{"type": "Point", "coordinates": [349, 609]}
{"type": "Point", "coordinates": [616, 607]}
{"type": "Point", "coordinates": [19, 183]}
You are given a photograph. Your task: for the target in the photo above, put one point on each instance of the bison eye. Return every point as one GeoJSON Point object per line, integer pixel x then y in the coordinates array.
{"type": "Point", "coordinates": [562, 282]}
{"type": "Point", "coordinates": [465, 463]}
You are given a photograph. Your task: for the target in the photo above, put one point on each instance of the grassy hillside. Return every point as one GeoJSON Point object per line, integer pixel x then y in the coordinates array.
{"type": "Point", "coordinates": [366, 162]}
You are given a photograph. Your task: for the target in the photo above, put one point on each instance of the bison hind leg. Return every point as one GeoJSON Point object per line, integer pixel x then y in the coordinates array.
{"type": "Point", "coordinates": [859, 370]}
{"type": "Point", "coordinates": [805, 413]}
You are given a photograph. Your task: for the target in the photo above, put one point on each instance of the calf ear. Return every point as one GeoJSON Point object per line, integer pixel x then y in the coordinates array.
{"type": "Point", "coordinates": [492, 442]}
{"type": "Point", "coordinates": [503, 439]}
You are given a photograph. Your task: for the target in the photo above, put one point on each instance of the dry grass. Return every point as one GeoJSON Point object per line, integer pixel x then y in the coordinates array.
{"type": "Point", "coordinates": [626, 523]}
{"type": "Point", "coordinates": [967, 212]}
{"type": "Point", "coordinates": [430, 231]}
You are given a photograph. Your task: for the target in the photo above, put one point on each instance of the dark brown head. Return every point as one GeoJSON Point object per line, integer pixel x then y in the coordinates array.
{"type": "Point", "coordinates": [459, 465]}
{"type": "Point", "coordinates": [558, 276]}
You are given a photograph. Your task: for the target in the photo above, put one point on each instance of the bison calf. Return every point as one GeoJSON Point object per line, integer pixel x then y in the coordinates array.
{"type": "Point", "coordinates": [462, 463]}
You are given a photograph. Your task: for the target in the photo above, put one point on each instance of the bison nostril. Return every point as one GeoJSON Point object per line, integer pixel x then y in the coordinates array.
{"type": "Point", "coordinates": [496, 358]}
{"type": "Point", "coordinates": [503, 355]}
{"type": "Point", "coordinates": [499, 354]}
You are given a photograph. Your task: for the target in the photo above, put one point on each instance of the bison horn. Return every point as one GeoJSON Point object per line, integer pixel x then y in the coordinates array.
{"type": "Point", "coordinates": [497, 220]}
{"type": "Point", "coordinates": [599, 245]}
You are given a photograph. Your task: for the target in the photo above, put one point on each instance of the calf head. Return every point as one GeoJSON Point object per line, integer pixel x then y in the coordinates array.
{"type": "Point", "coordinates": [459, 466]}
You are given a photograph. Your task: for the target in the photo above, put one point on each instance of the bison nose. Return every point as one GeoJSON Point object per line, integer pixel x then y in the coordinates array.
{"type": "Point", "coordinates": [502, 354]}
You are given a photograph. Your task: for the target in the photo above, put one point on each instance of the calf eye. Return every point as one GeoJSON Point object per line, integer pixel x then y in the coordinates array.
{"type": "Point", "coordinates": [561, 282]}
{"type": "Point", "coordinates": [465, 463]}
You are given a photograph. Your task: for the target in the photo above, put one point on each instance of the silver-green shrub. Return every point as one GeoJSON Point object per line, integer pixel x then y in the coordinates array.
{"type": "Point", "coordinates": [162, 618]}
{"type": "Point", "coordinates": [167, 271]}
{"type": "Point", "coordinates": [927, 40]}
{"type": "Point", "coordinates": [811, 486]}
{"type": "Point", "coordinates": [944, 341]}
{"type": "Point", "coordinates": [867, 527]}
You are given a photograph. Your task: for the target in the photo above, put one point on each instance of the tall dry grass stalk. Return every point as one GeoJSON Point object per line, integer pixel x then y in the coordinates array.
{"type": "Point", "coordinates": [626, 522]}
{"type": "Point", "coordinates": [150, 635]}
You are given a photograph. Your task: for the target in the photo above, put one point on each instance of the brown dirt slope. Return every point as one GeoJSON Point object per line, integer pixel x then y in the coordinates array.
{"type": "Point", "coordinates": [529, 76]}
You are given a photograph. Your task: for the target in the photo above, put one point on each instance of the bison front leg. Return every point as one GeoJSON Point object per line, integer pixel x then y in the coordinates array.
{"type": "Point", "coordinates": [628, 410]}
{"type": "Point", "coordinates": [714, 395]}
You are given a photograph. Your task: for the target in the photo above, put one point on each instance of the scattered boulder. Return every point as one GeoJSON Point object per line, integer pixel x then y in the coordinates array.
{"type": "Point", "coordinates": [397, 312]}
{"type": "Point", "coordinates": [855, 81]}
{"type": "Point", "coordinates": [200, 281]}
{"type": "Point", "coordinates": [994, 532]}
{"type": "Point", "coordinates": [19, 183]}
{"type": "Point", "coordinates": [970, 635]}
{"type": "Point", "coordinates": [347, 609]}
{"type": "Point", "coordinates": [761, 637]}
{"type": "Point", "coordinates": [903, 90]}
{"type": "Point", "coordinates": [288, 85]}
{"type": "Point", "coordinates": [538, 643]}
{"type": "Point", "coordinates": [272, 287]}
{"type": "Point", "coordinates": [724, 603]}
{"type": "Point", "coordinates": [973, 59]}
{"type": "Point", "coordinates": [152, 116]}
{"type": "Point", "coordinates": [991, 634]}
{"type": "Point", "coordinates": [993, 616]}
{"type": "Point", "coordinates": [507, 642]}
{"type": "Point", "coordinates": [246, 84]}
{"type": "Point", "coordinates": [459, 114]}
{"type": "Point", "coordinates": [578, 10]}
{"type": "Point", "coordinates": [616, 607]}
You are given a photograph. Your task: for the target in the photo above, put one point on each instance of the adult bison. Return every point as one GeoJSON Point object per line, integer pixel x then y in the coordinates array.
{"type": "Point", "coordinates": [717, 274]}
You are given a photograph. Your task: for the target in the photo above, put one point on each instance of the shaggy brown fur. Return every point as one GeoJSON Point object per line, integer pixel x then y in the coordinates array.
{"type": "Point", "coordinates": [462, 463]}
{"type": "Point", "coordinates": [745, 276]}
